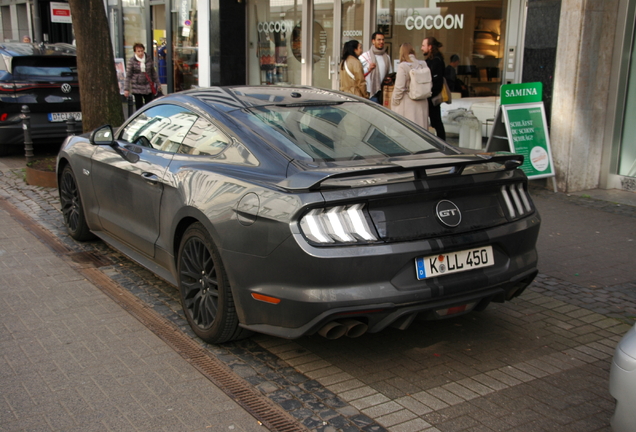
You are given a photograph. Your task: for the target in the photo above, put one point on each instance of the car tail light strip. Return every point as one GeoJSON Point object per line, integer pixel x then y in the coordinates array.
{"type": "Point", "coordinates": [342, 224]}
{"type": "Point", "coordinates": [516, 200]}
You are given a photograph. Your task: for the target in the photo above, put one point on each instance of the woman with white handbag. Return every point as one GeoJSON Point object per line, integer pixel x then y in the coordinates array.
{"type": "Point", "coordinates": [351, 71]}
{"type": "Point", "coordinates": [402, 103]}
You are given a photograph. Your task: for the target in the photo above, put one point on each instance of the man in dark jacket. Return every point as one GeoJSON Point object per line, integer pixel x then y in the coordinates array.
{"type": "Point", "coordinates": [435, 62]}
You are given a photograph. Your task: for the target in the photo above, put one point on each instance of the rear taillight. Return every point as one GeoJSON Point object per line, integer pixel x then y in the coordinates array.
{"type": "Point", "coordinates": [341, 224]}
{"type": "Point", "coordinates": [3, 116]}
{"type": "Point", "coordinates": [516, 199]}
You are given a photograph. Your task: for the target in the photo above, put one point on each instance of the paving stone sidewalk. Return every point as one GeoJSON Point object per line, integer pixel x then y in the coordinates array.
{"type": "Point", "coordinates": [537, 363]}
{"type": "Point", "coordinates": [71, 359]}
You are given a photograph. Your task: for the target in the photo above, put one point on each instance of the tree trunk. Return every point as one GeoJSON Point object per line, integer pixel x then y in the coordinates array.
{"type": "Point", "coordinates": [99, 91]}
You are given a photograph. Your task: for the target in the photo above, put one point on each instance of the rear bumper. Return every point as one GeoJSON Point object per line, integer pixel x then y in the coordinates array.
{"type": "Point", "coordinates": [382, 315]}
{"type": "Point", "coordinates": [42, 131]}
{"type": "Point", "coordinates": [376, 284]}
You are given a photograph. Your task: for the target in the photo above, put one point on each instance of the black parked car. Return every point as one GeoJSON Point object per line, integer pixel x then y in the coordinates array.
{"type": "Point", "coordinates": [291, 211]}
{"type": "Point", "coordinates": [44, 78]}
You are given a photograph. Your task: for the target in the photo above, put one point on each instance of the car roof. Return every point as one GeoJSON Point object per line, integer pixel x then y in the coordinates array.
{"type": "Point", "coordinates": [239, 97]}
{"type": "Point", "coordinates": [20, 49]}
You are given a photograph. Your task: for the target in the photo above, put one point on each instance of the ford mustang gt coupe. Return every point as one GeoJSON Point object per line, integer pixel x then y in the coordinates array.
{"type": "Point", "coordinates": [292, 211]}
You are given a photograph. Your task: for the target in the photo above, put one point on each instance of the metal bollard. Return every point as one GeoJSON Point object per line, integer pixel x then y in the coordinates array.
{"type": "Point", "coordinates": [26, 127]}
{"type": "Point", "coordinates": [130, 106]}
{"type": "Point", "coordinates": [70, 126]}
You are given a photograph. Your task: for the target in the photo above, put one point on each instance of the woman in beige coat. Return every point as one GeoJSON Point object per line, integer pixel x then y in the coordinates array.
{"type": "Point", "coordinates": [351, 72]}
{"type": "Point", "coordinates": [401, 103]}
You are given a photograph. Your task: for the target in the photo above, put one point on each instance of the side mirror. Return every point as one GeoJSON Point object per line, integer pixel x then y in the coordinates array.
{"type": "Point", "coordinates": [102, 136]}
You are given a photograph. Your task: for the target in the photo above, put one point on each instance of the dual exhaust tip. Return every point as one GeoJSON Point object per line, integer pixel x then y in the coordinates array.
{"type": "Point", "coordinates": [336, 329]}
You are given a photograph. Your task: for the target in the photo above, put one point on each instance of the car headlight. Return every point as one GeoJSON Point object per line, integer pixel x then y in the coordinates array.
{"type": "Point", "coordinates": [340, 224]}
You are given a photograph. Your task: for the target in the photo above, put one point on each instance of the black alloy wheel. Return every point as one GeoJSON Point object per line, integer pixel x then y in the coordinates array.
{"type": "Point", "coordinates": [206, 297]}
{"type": "Point", "coordinates": [72, 209]}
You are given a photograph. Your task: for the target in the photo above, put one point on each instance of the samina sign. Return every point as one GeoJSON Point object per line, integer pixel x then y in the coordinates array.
{"type": "Point", "coordinates": [521, 93]}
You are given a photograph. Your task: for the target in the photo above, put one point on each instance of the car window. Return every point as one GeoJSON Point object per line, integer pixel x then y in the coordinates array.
{"type": "Point", "coordinates": [162, 127]}
{"type": "Point", "coordinates": [341, 132]}
{"type": "Point", "coordinates": [50, 68]}
{"type": "Point", "coordinates": [204, 138]}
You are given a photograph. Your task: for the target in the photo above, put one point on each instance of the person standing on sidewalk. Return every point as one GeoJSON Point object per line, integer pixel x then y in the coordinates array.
{"type": "Point", "coordinates": [435, 62]}
{"type": "Point", "coordinates": [414, 110]}
{"type": "Point", "coordinates": [351, 73]}
{"type": "Point", "coordinates": [377, 65]}
{"type": "Point", "coordinates": [141, 77]}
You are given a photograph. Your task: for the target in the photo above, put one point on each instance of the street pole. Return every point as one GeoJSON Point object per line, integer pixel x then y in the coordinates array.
{"type": "Point", "coordinates": [26, 126]}
{"type": "Point", "coordinates": [70, 126]}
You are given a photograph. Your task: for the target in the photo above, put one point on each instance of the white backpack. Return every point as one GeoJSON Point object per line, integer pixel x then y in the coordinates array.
{"type": "Point", "coordinates": [421, 86]}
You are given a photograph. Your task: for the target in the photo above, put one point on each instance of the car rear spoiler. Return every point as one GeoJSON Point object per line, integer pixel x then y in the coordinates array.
{"type": "Point", "coordinates": [453, 165]}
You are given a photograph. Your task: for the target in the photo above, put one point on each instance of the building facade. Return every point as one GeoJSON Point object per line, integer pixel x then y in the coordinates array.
{"type": "Point", "coordinates": [581, 50]}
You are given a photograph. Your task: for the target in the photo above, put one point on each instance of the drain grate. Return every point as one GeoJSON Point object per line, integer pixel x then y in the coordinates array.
{"type": "Point", "coordinates": [263, 410]}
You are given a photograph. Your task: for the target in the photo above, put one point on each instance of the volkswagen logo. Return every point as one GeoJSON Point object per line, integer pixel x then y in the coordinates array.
{"type": "Point", "coordinates": [448, 213]}
{"type": "Point", "coordinates": [66, 88]}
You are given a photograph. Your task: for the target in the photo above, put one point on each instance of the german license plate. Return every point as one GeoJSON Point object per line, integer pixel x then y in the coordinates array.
{"type": "Point", "coordinates": [60, 117]}
{"type": "Point", "coordinates": [454, 262]}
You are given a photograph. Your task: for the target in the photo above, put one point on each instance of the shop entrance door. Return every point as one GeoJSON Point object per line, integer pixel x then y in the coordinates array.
{"type": "Point", "coordinates": [324, 52]}
{"type": "Point", "coordinates": [335, 22]}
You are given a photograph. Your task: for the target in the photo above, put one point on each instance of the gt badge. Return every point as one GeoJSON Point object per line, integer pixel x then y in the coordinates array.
{"type": "Point", "coordinates": [448, 213]}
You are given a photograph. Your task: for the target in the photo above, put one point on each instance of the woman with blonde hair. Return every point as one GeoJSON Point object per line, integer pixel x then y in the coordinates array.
{"type": "Point", "coordinates": [401, 103]}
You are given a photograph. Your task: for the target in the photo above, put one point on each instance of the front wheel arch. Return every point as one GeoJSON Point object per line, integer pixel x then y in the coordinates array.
{"type": "Point", "coordinates": [71, 204]}
{"type": "Point", "coordinates": [204, 288]}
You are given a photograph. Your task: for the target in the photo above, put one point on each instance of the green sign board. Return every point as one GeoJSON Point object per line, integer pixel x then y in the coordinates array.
{"type": "Point", "coordinates": [521, 93]}
{"type": "Point", "coordinates": [526, 127]}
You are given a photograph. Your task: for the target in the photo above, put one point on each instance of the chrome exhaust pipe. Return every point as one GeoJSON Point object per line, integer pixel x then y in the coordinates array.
{"type": "Point", "coordinates": [354, 328]}
{"type": "Point", "coordinates": [332, 330]}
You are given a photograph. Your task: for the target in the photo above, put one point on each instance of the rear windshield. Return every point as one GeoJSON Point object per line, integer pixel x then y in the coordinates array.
{"type": "Point", "coordinates": [49, 68]}
{"type": "Point", "coordinates": [343, 131]}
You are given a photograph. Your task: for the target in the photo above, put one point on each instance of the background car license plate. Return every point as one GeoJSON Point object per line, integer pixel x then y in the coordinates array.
{"type": "Point", "coordinates": [60, 117]}
{"type": "Point", "coordinates": [454, 262]}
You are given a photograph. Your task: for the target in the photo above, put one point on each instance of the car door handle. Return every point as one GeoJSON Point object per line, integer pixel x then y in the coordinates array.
{"type": "Point", "coordinates": [150, 177]}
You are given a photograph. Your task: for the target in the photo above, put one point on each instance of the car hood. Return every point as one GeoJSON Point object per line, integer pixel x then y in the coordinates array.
{"type": "Point", "coordinates": [316, 177]}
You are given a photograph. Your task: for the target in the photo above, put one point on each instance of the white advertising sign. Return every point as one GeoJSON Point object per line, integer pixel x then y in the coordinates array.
{"type": "Point", "coordinates": [61, 13]}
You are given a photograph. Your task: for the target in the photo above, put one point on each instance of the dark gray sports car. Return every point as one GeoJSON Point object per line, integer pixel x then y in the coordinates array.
{"type": "Point", "coordinates": [293, 211]}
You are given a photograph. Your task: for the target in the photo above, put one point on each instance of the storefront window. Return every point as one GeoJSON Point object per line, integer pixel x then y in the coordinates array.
{"type": "Point", "coordinates": [472, 30]}
{"type": "Point", "coordinates": [274, 42]}
{"type": "Point", "coordinates": [134, 25]}
{"type": "Point", "coordinates": [627, 162]}
{"type": "Point", "coordinates": [184, 44]}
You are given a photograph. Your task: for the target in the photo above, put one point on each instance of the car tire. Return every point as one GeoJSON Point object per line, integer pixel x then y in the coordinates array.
{"type": "Point", "coordinates": [205, 292]}
{"type": "Point", "coordinates": [71, 204]}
